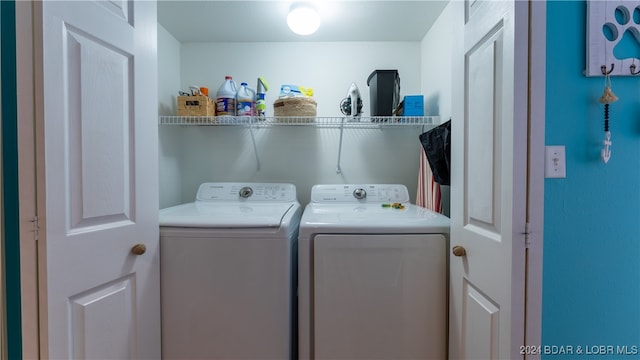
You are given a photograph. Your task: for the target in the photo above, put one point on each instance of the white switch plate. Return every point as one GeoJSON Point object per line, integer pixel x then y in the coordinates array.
{"type": "Point", "coordinates": [555, 164]}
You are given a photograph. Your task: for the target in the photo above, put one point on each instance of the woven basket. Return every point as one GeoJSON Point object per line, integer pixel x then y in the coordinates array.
{"type": "Point", "coordinates": [294, 107]}
{"type": "Point", "coordinates": [196, 106]}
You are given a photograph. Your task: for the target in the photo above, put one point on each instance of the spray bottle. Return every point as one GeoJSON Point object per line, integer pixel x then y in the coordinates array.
{"type": "Point", "coordinates": [261, 105]}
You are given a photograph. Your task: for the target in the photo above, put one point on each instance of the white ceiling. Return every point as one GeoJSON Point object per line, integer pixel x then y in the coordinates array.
{"type": "Point", "coordinates": [265, 20]}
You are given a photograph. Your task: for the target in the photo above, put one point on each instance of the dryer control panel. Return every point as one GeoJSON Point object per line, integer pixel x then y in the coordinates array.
{"type": "Point", "coordinates": [246, 192]}
{"type": "Point", "coordinates": [360, 193]}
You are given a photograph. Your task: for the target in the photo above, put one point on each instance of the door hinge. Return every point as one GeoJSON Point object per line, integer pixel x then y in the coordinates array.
{"type": "Point", "coordinates": [35, 227]}
{"type": "Point", "coordinates": [527, 237]}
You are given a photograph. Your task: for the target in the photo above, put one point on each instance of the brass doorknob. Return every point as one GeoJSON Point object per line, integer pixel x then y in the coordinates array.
{"type": "Point", "coordinates": [459, 251]}
{"type": "Point", "coordinates": [138, 249]}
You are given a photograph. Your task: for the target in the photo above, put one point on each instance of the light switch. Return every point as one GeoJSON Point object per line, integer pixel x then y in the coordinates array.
{"type": "Point", "coordinates": [555, 165]}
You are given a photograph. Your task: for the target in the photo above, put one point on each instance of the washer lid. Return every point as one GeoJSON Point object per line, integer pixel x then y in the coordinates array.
{"type": "Point", "coordinates": [410, 218]}
{"type": "Point", "coordinates": [226, 214]}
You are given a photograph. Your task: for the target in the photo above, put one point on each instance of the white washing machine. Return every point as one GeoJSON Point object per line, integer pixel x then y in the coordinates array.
{"type": "Point", "coordinates": [227, 272]}
{"type": "Point", "coordinates": [372, 275]}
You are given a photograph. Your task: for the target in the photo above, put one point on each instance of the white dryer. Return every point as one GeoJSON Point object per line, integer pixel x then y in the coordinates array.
{"type": "Point", "coordinates": [372, 275]}
{"type": "Point", "coordinates": [227, 272]}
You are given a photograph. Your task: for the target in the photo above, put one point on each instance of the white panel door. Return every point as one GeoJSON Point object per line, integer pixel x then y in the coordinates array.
{"type": "Point", "coordinates": [489, 184]}
{"type": "Point", "coordinates": [379, 297]}
{"type": "Point", "coordinates": [99, 299]}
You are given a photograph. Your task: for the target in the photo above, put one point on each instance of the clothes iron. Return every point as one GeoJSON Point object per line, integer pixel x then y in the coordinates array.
{"type": "Point", "coordinates": [352, 104]}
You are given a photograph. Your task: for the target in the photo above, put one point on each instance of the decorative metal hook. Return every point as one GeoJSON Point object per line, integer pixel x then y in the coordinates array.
{"type": "Point", "coordinates": [632, 68]}
{"type": "Point", "coordinates": [604, 70]}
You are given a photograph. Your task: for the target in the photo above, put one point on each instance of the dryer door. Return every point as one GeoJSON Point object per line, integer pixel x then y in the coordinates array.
{"type": "Point", "coordinates": [379, 296]}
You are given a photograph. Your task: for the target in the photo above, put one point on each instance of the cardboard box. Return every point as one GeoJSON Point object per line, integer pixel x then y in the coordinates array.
{"type": "Point", "coordinates": [413, 105]}
{"type": "Point", "coordinates": [196, 106]}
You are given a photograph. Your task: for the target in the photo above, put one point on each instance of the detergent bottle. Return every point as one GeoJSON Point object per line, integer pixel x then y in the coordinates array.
{"type": "Point", "coordinates": [245, 101]}
{"type": "Point", "coordinates": [226, 97]}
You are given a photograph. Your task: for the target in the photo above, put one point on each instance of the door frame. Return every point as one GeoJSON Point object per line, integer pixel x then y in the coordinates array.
{"type": "Point", "coordinates": [535, 178]}
{"type": "Point", "coordinates": [29, 150]}
{"type": "Point", "coordinates": [28, 258]}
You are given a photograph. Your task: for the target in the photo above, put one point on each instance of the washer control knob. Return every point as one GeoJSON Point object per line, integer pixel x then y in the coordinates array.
{"type": "Point", "coordinates": [245, 192]}
{"type": "Point", "coordinates": [359, 193]}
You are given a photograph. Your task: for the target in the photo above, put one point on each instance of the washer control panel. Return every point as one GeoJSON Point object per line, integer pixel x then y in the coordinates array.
{"type": "Point", "coordinates": [360, 193]}
{"type": "Point", "coordinates": [246, 192]}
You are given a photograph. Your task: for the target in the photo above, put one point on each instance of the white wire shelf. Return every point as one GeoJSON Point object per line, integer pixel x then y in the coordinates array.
{"type": "Point", "coordinates": [347, 122]}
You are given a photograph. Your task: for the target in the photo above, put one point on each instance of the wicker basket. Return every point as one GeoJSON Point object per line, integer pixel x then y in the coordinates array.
{"type": "Point", "coordinates": [285, 108]}
{"type": "Point", "coordinates": [196, 106]}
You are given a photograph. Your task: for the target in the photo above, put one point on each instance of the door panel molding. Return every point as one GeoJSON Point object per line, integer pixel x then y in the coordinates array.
{"type": "Point", "coordinates": [99, 126]}
{"type": "Point", "coordinates": [482, 317]}
{"type": "Point", "coordinates": [91, 336]}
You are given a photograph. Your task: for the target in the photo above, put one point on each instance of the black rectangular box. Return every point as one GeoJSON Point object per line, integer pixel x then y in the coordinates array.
{"type": "Point", "coordinates": [384, 92]}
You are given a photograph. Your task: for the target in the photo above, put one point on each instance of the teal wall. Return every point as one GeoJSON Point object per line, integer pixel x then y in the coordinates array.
{"type": "Point", "coordinates": [591, 291]}
{"type": "Point", "coordinates": [11, 233]}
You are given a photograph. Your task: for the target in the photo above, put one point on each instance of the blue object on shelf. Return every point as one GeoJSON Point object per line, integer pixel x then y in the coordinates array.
{"type": "Point", "coordinates": [413, 105]}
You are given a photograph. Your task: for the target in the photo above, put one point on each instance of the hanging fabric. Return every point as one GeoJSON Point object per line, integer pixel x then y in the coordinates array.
{"type": "Point", "coordinates": [437, 146]}
{"type": "Point", "coordinates": [435, 169]}
{"type": "Point", "coordinates": [428, 194]}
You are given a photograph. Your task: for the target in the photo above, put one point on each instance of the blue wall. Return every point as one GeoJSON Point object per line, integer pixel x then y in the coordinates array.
{"type": "Point", "coordinates": [591, 291]}
{"type": "Point", "coordinates": [11, 231]}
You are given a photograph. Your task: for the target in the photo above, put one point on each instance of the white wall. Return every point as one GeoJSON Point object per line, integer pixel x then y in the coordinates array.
{"type": "Point", "coordinates": [436, 53]}
{"type": "Point", "coordinates": [328, 68]}
{"type": "Point", "coordinates": [302, 155]}
{"type": "Point", "coordinates": [170, 162]}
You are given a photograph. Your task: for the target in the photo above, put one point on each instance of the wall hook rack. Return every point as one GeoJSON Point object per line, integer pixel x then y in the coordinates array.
{"type": "Point", "coordinates": [604, 70]}
{"type": "Point", "coordinates": [611, 25]}
{"type": "Point", "coordinates": [632, 69]}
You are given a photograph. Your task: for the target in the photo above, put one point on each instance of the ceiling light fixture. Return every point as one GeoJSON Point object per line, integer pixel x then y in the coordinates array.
{"type": "Point", "coordinates": [303, 19]}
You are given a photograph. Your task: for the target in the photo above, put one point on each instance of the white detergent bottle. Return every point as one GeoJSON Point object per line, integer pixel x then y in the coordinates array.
{"type": "Point", "coordinates": [245, 101]}
{"type": "Point", "coordinates": [226, 97]}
